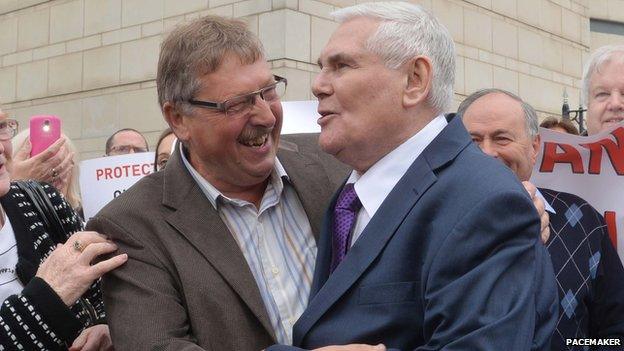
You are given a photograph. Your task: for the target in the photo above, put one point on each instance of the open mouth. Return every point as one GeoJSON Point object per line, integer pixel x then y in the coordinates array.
{"type": "Point", "coordinates": [255, 142]}
{"type": "Point", "coordinates": [324, 116]}
{"type": "Point", "coordinates": [615, 120]}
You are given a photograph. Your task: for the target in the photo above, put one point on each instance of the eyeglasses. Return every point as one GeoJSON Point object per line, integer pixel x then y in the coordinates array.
{"type": "Point", "coordinates": [126, 149]}
{"type": "Point", "coordinates": [242, 104]}
{"type": "Point", "coordinates": [8, 129]}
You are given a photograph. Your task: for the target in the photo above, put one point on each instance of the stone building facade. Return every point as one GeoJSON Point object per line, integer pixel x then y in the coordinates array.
{"type": "Point", "coordinates": [93, 62]}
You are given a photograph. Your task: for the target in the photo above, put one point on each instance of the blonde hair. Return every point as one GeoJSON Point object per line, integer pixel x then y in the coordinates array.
{"type": "Point", "coordinates": [72, 194]}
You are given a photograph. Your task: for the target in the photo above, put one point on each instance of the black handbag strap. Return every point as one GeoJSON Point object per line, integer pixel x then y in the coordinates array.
{"type": "Point", "coordinates": [44, 207]}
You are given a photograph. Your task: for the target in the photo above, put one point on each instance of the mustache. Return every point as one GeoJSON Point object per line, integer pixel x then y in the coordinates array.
{"type": "Point", "coordinates": [253, 133]}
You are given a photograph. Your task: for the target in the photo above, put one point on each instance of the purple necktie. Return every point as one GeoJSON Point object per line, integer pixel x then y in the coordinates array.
{"type": "Point", "coordinates": [345, 213]}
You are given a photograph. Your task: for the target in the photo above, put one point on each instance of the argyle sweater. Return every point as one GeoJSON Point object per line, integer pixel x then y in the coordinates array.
{"type": "Point", "coordinates": [37, 318]}
{"type": "Point", "coordinates": [589, 274]}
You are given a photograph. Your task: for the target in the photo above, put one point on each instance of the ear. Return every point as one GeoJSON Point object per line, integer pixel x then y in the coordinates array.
{"type": "Point", "coordinates": [419, 78]}
{"type": "Point", "coordinates": [176, 120]}
{"type": "Point", "coordinates": [537, 145]}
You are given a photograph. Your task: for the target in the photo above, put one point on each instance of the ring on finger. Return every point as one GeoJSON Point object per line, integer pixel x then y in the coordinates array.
{"type": "Point", "coordinates": [78, 246]}
{"type": "Point", "coordinates": [54, 173]}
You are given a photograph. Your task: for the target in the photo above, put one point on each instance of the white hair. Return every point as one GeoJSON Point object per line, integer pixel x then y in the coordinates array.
{"type": "Point", "coordinates": [601, 56]}
{"type": "Point", "coordinates": [408, 30]}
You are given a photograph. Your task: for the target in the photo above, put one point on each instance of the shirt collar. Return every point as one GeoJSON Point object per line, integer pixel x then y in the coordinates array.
{"type": "Point", "coordinates": [546, 204]}
{"type": "Point", "coordinates": [375, 184]}
{"type": "Point", "coordinates": [213, 194]}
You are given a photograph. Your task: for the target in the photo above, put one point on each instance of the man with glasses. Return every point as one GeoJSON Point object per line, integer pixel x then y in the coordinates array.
{"type": "Point", "coordinates": [221, 243]}
{"type": "Point", "coordinates": [126, 141]}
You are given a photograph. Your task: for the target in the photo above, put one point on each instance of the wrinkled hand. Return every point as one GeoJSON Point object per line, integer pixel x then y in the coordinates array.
{"type": "Point", "coordinates": [53, 165]}
{"type": "Point", "coordinates": [69, 272]}
{"type": "Point", "coordinates": [541, 211]}
{"type": "Point", "coordinates": [95, 338]}
{"type": "Point", "coordinates": [353, 347]}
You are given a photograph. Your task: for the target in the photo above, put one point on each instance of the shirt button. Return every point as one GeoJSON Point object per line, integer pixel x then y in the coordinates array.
{"type": "Point", "coordinates": [275, 270]}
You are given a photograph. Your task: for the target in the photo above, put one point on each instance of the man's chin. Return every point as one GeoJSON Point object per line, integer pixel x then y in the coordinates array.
{"type": "Point", "coordinates": [328, 144]}
{"type": "Point", "coordinates": [261, 169]}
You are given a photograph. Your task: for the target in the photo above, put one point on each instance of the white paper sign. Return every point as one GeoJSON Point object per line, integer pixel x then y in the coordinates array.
{"type": "Point", "coordinates": [590, 167]}
{"type": "Point", "coordinates": [103, 179]}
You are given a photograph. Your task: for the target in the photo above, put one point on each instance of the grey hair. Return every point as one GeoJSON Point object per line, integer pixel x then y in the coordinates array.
{"type": "Point", "coordinates": [596, 60]}
{"type": "Point", "coordinates": [408, 30]}
{"type": "Point", "coordinates": [198, 48]}
{"type": "Point", "coordinates": [530, 116]}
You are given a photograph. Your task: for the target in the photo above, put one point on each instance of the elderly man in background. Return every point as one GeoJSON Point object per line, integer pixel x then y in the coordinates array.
{"type": "Point", "coordinates": [602, 88]}
{"type": "Point", "coordinates": [589, 274]}
{"type": "Point", "coordinates": [221, 243]}
{"type": "Point", "coordinates": [126, 141]}
{"type": "Point", "coordinates": [430, 244]}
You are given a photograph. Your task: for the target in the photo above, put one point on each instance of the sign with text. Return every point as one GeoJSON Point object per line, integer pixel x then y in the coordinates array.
{"type": "Point", "coordinates": [103, 179]}
{"type": "Point", "coordinates": [591, 167]}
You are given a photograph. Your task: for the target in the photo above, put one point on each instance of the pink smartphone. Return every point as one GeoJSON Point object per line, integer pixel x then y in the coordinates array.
{"type": "Point", "coordinates": [44, 131]}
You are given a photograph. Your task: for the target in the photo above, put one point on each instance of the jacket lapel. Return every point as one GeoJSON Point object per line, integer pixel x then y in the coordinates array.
{"type": "Point", "coordinates": [382, 226]}
{"type": "Point", "coordinates": [371, 242]}
{"type": "Point", "coordinates": [313, 191]}
{"type": "Point", "coordinates": [198, 221]}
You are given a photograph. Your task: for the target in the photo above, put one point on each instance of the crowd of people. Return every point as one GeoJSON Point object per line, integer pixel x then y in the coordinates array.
{"type": "Point", "coordinates": [399, 227]}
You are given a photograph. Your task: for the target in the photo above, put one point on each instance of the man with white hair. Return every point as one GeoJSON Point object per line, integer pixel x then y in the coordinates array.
{"type": "Point", "coordinates": [603, 88]}
{"type": "Point", "coordinates": [430, 244]}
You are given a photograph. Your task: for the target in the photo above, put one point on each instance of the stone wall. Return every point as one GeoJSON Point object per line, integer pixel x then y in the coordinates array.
{"type": "Point", "coordinates": [93, 62]}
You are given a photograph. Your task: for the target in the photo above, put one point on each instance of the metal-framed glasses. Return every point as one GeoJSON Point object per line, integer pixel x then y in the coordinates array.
{"type": "Point", "coordinates": [126, 149]}
{"type": "Point", "coordinates": [8, 128]}
{"type": "Point", "coordinates": [241, 105]}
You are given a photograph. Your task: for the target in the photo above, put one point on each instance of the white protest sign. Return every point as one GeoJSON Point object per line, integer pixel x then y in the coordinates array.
{"type": "Point", "coordinates": [300, 117]}
{"type": "Point", "coordinates": [590, 167]}
{"type": "Point", "coordinates": [103, 179]}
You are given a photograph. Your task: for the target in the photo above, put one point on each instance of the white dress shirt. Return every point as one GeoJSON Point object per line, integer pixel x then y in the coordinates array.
{"type": "Point", "coordinates": [377, 182]}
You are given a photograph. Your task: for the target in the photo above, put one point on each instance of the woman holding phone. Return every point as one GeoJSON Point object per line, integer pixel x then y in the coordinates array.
{"type": "Point", "coordinates": [48, 158]}
{"type": "Point", "coordinates": [66, 181]}
{"type": "Point", "coordinates": [50, 289]}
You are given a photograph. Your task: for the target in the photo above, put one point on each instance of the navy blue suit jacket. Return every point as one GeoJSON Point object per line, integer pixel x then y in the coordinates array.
{"type": "Point", "coordinates": [451, 260]}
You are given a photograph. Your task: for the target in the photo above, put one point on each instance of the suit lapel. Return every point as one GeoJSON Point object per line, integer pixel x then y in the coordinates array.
{"type": "Point", "coordinates": [312, 191]}
{"type": "Point", "coordinates": [324, 254]}
{"type": "Point", "coordinates": [197, 220]}
{"type": "Point", "coordinates": [382, 226]}
{"type": "Point", "coordinates": [370, 244]}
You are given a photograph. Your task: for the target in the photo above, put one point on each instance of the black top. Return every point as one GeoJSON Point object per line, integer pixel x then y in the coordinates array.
{"type": "Point", "coordinates": [37, 319]}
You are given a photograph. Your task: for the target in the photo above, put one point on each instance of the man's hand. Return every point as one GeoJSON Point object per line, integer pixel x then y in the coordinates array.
{"type": "Point", "coordinates": [68, 269]}
{"type": "Point", "coordinates": [541, 211]}
{"type": "Point", "coordinates": [95, 338]}
{"type": "Point", "coordinates": [353, 347]}
{"type": "Point", "coordinates": [53, 165]}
